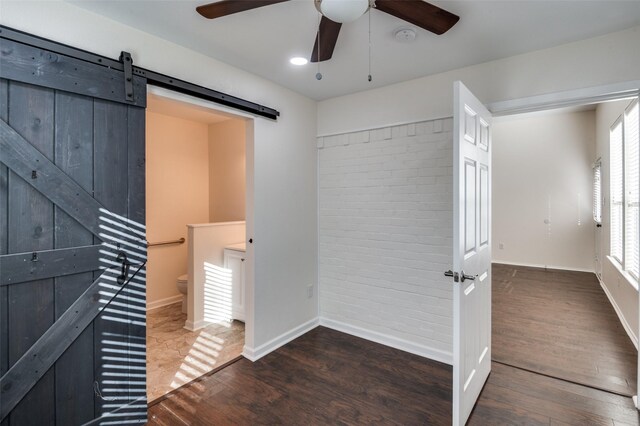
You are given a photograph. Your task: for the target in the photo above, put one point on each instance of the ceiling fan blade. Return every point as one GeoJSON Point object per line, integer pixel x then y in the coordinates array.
{"type": "Point", "coordinates": [228, 7]}
{"type": "Point", "coordinates": [325, 40]}
{"type": "Point", "coordinates": [420, 13]}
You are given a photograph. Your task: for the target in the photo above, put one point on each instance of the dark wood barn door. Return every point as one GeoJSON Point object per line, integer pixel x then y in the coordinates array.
{"type": "Point", "coordinates": [72, 236]}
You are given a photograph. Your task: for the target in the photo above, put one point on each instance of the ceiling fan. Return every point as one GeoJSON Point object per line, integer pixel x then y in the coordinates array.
{"type": "Point", "coordinates": [337, 12]}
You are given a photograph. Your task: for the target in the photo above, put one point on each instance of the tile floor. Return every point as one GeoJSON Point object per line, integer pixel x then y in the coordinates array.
{"type": "Point", "coordinates": [176, 356]}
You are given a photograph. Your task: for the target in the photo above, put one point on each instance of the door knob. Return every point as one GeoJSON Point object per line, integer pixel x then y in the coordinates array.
{"type": "Point", "coordinates": [464, 277]}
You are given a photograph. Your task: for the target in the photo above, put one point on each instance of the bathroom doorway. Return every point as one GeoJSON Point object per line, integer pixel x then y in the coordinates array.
{"type": "Point", "coordinates": [196, 168]}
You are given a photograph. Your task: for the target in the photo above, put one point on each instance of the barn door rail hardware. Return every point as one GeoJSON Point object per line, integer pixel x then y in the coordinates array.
{"type": "Point", "coordinates": [177, 85]}
{"type": "Point", "coordinates": [153, 78]}
{"type": "Point", "coordinates": [127, 63]}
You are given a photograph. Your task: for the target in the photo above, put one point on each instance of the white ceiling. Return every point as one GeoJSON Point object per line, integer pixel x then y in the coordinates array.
{"type": "Point", "coordinates": [261, 41]}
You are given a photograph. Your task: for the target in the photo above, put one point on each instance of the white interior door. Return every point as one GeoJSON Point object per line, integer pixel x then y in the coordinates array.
{"type": "Point", "coordinates": [471, 251]}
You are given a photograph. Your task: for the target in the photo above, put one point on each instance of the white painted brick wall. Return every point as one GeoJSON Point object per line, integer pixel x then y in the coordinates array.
{"type": "Point", "coordinates": [385, 231]}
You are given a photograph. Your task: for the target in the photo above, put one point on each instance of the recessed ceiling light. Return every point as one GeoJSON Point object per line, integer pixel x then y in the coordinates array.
{"type": "Point", "coordinates": [299, 60]}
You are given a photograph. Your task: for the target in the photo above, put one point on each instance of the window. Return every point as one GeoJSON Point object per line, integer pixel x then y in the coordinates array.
{"type": "Point", "coordinates": [625, 189]}
{"type": "Point", "coordinates": [597, 192]}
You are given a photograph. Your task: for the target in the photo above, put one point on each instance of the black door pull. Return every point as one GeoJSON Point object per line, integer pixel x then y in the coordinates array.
{"type": "Point", "coordinates": [124, 273]}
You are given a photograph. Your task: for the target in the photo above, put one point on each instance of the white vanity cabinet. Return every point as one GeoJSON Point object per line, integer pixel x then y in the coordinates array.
{"type": "Point", "coordinates": [234, 257]}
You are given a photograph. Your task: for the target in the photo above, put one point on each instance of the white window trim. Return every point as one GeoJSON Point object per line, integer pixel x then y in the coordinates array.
{"type": "Point", "coordinates": [619, 264]}
{"type": "Point", "coordinates": [619, 121]}
{"type": "Point", "coordinates": [630, 279]}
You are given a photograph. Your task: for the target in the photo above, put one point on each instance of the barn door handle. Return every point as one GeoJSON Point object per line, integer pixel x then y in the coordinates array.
{"type": "Point", "coordinates": [464, 277]}
{"type": "Point", "coordinates": [124, 273]}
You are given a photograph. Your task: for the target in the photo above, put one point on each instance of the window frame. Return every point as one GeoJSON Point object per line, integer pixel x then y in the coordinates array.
{"type": "Point", "coordinates": [621, 263]}
{"type": "Point", "coordinates": [619, 122]}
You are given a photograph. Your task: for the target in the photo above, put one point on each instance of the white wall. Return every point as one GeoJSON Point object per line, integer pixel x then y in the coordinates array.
{"type": "Point", "coordinates": [209, 287]}
{"type": "Point", "coordinates": [283, 187]}
{"type": "Point", "coordinates": [542, 170]}
{"type": "Point", "coordinates": [623, 296]}
{"type": "Point", "coordinates": [593, 62]}
{"type": "Point", "coordinates": [385, 220]}
{"type": "Point", "coordinates": [227, 171]}
{"type": "Point", "coordinates": [177, 180]}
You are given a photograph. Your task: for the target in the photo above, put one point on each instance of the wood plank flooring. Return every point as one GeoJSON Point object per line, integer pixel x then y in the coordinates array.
{"type": "Point", "coordinates": [553, 322]}
{"type": "Point", "coordinates": [561, 324]}
{"type": "Point", "coordinates": [516, 397]}
{"type": "Point", "coordinates": [327, 377]}
{"type": "Point", "coordinates": [323, 377]}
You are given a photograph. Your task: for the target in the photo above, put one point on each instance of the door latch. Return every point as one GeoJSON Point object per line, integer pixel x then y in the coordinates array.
{"type": "Point", "coordinates": [455, 275]}
{"type": "Point", "coordinates": [464, 277]}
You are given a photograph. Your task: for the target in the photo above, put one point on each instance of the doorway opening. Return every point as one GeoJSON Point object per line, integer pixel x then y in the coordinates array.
{"type": "Point", "coordinates": [196, 186]}
{"type": "Point", "coordinates": [561, 307]}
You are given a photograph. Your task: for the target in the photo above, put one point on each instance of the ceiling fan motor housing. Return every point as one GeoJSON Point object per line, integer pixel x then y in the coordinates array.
{"type": "Point", "coordinates": [342, 11]}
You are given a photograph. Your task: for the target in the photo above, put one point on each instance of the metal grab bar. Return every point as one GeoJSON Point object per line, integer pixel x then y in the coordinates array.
{"type": "Point", "coordinates": [164, 243]}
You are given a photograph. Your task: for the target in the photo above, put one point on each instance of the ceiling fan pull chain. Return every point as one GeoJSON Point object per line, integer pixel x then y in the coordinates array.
{"type": "Point", "coordinates": [369, 45]}
{"type": "Point", "coordinates": [319, 74]}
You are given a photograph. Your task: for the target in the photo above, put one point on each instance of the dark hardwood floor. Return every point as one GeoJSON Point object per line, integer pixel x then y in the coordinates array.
{"type": "Point", "coordinates": [516, 397]}
{"type": "Point", "coordinates": [326, 377]}
{"type": "Point", "coordinates": [561, 324]}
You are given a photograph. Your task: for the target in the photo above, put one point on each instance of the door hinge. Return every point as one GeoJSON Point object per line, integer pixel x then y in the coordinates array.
{"type": "Point", "coordinates": [127, 62]}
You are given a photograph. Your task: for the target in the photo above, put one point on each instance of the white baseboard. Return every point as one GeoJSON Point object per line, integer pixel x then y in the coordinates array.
{"type": "Point", "coordinates": [197, 325]}
{"type": "Point", "coordinates": [621, 317]}
{"type": "Point", "coordinates": [254, 354]}
{"type": "Point", "coordinates": [394, 342]}
{"type": "Point", "coordinates": [534, 265]}
{"type": "Point", "coordinates": [164, 302]}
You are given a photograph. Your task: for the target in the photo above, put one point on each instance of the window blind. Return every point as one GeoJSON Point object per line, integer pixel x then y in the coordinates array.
{"type": "Point", "coordinates": [617, 190]}
{"type": "Point", "coordinates": [632, 188]}
{"type": "Point", "coordinates": [597, 193]}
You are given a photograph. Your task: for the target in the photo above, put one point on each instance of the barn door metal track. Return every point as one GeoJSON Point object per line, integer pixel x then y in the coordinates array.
{"type": "Point", "coordinates": [153, 78]}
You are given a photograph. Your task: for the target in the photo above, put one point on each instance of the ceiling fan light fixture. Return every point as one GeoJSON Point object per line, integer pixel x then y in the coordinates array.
{"type": "Point", "coordinates": [342, 11]}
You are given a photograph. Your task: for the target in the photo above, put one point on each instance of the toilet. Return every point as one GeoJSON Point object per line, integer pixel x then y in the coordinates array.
{"type": "Point", "coordinates": [182, 288]}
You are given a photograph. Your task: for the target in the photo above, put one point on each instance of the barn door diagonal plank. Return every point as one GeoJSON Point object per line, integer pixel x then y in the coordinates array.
{"type": "Point", "coordinates": [37, 170]}
{"type": "Point", "coordinates": [35, 362]}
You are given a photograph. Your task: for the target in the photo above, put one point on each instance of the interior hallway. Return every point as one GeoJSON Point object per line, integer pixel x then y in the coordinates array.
{"type": "Point", "coordinates": [560, 323]}
{"type": "Point", "coordinates": [176, 356]}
